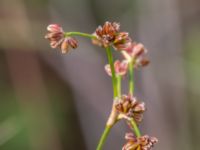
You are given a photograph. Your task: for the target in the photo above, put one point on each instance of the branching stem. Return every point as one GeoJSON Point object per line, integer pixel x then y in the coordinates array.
{"type": "Point", "coordinates": [80, 34]}
{"type": "Point", "coordinates": [116, 83]}
{"type": "Point", "coordinates": [135, 127]}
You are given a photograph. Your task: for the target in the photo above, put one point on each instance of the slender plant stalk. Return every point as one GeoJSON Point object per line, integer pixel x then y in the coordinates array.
{"type": "Point", "coordinates": [131, 78]}
{"type": "Point", "coordinates": [114, 79]}
{"type": "Point", "coordinates": [103, 137]}
{"type": "Point", "coordinates": [119, 78]}
{"type": "Point", "coordinates": [80, 34]}
{"type": "Point", "coordinates": [116, 89]}
{"type": "Point", "coordinates": [131, 91]}
{"type": "Point", "coordinates": [116, 83]}
{"type": "Point", "coordinates": [135, 127]}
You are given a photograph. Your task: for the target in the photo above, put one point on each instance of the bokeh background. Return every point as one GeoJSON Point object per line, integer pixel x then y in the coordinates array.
{"type": "Point", "coordinates": [50, 101]}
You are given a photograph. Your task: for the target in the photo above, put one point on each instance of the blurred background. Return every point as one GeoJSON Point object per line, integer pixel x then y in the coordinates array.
{"type": "Point", "coordinates": [50, 101]}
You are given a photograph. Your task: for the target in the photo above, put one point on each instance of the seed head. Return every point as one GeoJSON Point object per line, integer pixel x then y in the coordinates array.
{"type": "Point", "coordinates": [130, 107]}
{"type": "Point", "coordinates": [122, 41]}
{"type": "Point", "coordinates": [105, 35]}
{"type": "Point", "coordinates": [137, 51]}
{"type": "Point", "coordinates": [141, 143]}
{"type": "Point", "coordinates": [57, 38]}
{"type": "Point", "coordinates": [120, 67]}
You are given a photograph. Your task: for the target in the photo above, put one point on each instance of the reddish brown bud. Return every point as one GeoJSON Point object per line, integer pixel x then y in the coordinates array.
{"type": "Point", "coordinates": [137, 52]}
{"type": "Point", "coordinates": [120, 68]}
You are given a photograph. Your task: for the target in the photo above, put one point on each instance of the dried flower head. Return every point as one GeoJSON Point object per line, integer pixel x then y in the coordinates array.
{"type": "Point", "coordinates": [137, 51]}
{"type": "Point", "coordinates": [105, 35]}
{"type": "Point", "coordinates": [142, 143]}
{"type": "Point", "coordinates": [57, 38]}
{"type": "Point", "coordinates": [122, 41]}
{"type": "Point", "coordinates": [120, 67]}
{"type": "Point", "coordinates": [130, 107]}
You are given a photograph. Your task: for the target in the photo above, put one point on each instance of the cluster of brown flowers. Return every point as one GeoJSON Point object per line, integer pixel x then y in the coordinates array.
{"type": "Point", "coordinates": [126, 106]}
{"type": "Point", "coordinates": [120, 67]}
{"type": "Point", "coordinates": [142, 143]}
{"type": "Point", "coordinates": [137, 51]}
{"type": "Point", "coordinates": [130, 107]}
{"type": "Point", "coordinates": [110, 35]}
{"type": "Point", "coordinates": [107, 35]}
{"type": "Point", "coordinates": [57, 38]}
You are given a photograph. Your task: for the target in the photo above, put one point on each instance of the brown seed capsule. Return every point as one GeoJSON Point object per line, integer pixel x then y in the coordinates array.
{"type": "Point", "coordinates": [122, 41]}
{"type": "Point", "coordinates": [106, 35]}
{"type": "Point", "coordinates": [120, 67]}
{"type": "Point", "coordinates": [141, 143]}
{"type": "Point", "coordinates": [130, 107]}
{"type": "Point", "coordinates": [68, 43]}
{"type": "Point", "coordinates": [57, 39]}
{"type": "Point", "coordinates": [137, 51]}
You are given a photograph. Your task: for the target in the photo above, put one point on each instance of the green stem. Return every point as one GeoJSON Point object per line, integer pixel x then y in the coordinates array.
{"type": "Point", "coordinates": [131, 91]}
{"type": "Point", "coordinates": [103, 137]}
{"type": "Point", "coordinates": [116, 88]}
{"type": "Point", "coordinates": [114, 79]}
{"type": "Point", "coordinates": [119, 78]}
{"type": "Point", "coordinates": [116, 91]}
{"type": "Point", "coordinates": [131, 78]}
{"type": "Point", "coordinates": [135, 127]}
{"type": "Point", "coordinates": [80, 34]}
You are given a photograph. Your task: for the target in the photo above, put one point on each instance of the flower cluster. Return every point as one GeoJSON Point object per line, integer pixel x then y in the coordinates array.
{"type": "Point", "coordinates": [57, 38]}
{"type": "Point", "coordinates": [129, 107]}
{"type": "Point", "coordinates": [110, 35]}
{"type": "Point", "coordinates": [136, 52]}
{"type": "Point", "coordinates": [142, 143]}
{"type": "Point", "coordinates": [120, 67]}
{"type": "Point", "coordinates": [134, 55]}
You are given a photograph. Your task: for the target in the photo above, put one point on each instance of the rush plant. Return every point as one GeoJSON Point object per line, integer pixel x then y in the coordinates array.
{"type": "Point", "coordinates": [125, 106]}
